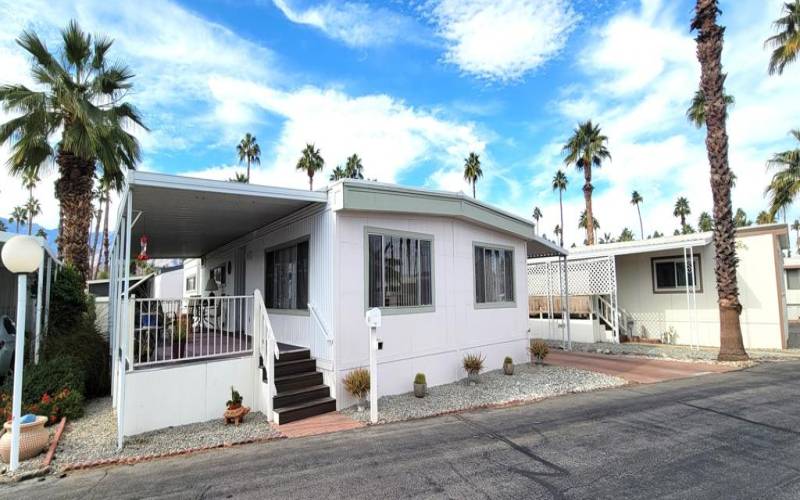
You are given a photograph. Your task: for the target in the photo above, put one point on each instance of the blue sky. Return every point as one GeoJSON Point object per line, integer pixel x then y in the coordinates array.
{"type": "Point", "coordinates": [414, 86]}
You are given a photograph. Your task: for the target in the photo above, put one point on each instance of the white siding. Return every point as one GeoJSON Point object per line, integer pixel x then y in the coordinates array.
{"type": "Point", "coordinates": [431, 342]}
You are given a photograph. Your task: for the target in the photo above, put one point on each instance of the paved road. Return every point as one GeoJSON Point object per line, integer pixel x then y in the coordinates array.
{"type": "Point", "coordinates": [732, 435]}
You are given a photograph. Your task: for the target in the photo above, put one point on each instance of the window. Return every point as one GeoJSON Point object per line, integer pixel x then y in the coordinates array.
{"type": "Point", "coordinates": [399, 271]}
{"type": "Point", "coordinates": [494, 275]}
{"type": "Point", "coordinates": [287, 277]}
{"type": "Point", "coordinates": [793, 279]}
{"type": "Point", "coordinates": [669, 275]}
{"type": "Point", "coordinates": [191, 283]}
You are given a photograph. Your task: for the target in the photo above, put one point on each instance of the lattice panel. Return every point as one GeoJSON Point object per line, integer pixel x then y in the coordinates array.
{"type": "Point", "coordinates": [586, 277]}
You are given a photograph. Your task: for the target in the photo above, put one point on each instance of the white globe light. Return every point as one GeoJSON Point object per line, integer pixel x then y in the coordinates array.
{"type": "Point", "coordinates": [22, 254]}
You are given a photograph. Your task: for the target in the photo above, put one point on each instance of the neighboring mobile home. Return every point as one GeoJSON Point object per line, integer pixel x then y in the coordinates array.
{"type": "Point", "coordinates": [300, 269]}
{"type": "Point", "coordinates": [638, 290]}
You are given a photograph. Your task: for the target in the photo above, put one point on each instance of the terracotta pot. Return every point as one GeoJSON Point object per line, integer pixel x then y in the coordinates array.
{"type": "Point", "coordinates": [420, 390]}
{"type": "Point", "coordinates": [33, 439]}
{"type": "Point", "coordinates": [508, 368]}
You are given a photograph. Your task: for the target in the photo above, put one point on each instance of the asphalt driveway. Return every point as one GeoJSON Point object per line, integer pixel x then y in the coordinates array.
{"type": "Point", "coordinates": [730, 435]}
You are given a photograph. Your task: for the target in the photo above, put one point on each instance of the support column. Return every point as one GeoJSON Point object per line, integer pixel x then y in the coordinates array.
{"type": "Point", "coordinates": [122, 352]}
{"type": "Point", "coordinates": [566, 300]}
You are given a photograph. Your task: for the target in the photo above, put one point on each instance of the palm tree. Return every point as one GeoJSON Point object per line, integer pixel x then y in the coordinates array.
{"type": "Point", "coordinates": [626, 235]}
{"type": "Point", "coordinates": [537, 214]}
{"type": "Point", "coordinates": [780, 198]}
{"type": "Point", "coordinates": [786, 42]}
{"type": "Point", "coordinates": [239, 177]}
{"type": "Point", "coordinates": [705, 222]}
{"type": "Point", "coordinates": [557, 231]}
{"type": "Point", "coordinates": [249, 151]}
{"type": "Point", "coordinates": [310, 162]}
{"type": "Point", "coordinates": [583, 224]}
{"type": "Point", "coordinates": [796, 229]}
{"type": "Point", "coordinates": [696, 113]}
{"type": "Point", "coordinates": [94, 257]}
{"type": "Point", "coordinates": [30, 178]}
{"type": "Point", "coordinates": [32, 209]}
{"type": "Point", "coordinates": [740, 219]}
{"type": "Point", "coordinates": [656, 234]}
{"type": "Point", "coordinates": [682, 210]}
{"type": "Point", "coordinates": [765, 217]}
{"type": "Point", "coordinates": [785, 183]}
{"type": "Point", "coordinates": [560, 183]}
{"type": "Point", "coordinates": [586, 148]}
{"type": "Point", "coordinates": [709, 54]}
{"type": "Point", "coordinates": [636, 199]}
{"type": "Point", "coordinates": [41, 233]}
{"type": "Point", "coordinates": [472, 170]}
{"type": "Point", "coordinates": [606, 238]}
{"type": "Point", "coordinates": [338, 173]}
{"type": "Point", "coordinates": [82, 99]}
{"type": "Point", "coordinates": [109, 181]}
{"type": "Point", "coordinates": [353, 169]}
{"type": "Point", "coordinates": [18, 216]}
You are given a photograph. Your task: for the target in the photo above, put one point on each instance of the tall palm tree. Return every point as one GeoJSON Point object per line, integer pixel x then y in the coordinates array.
{"type": "Point", "coordinates": [696, 113]}
{"type": "Point", "coordinates": [249, 151]}
{"type": "Point", "coordinates": [705, 222]}
{"type": "Point", "coordinates": [740, 219]}
{"type": "Point", "coordinates": [583, 223]}
{"type": "Point", "coordinates": [586, 148]}
{"type": "Point", "coordinates": [310, 162]}
{"type": "Point", "coordinates": [709, 54]}
{"type": "Point", "coordinates": [626, 235]}
{"type": "Point", "coordinates": [41, 233]}
{"type": "Point", "coordinates": [111, 180]}
{"type": "Point", "coordinates": [560, 183]}
{"type": "Point", "coordinates": [354, 169]}
{"type": "Point", "coordinates": [785, 183]}
{"type": "Point", "coordinates": [786, 42]}
{"type": "Point", "coordinates": [79, 95]}
{"type": "Point", "coordinates": [636, 199]}
{"type": "Point", "coordinates": [32, 209]}
{"type": "Point", "coordinates": [557, 231]}
{"type": "Point", "coordinates": [18, 216]}
{"type": "Point", "coordinates": [338, 173]}
{"type": "Point", "coordinates": [239, 177]}
{"type": "Point", "coordinates": [780, 198]}
{"type": "Point", "coordinates": [94, 256]}
{"type": "Point", "coordinates": [472, 170]}
{"type": "Point", "coordinates": [682, 210]}
{"type": "Point", "coordinates": [537, 214]}
{"type": "Point", "coordinates": [796, 229]}
{"type": "Point", "coordinates": [764, 217]}
{"type": "Point", "coordinates": [30, 178]}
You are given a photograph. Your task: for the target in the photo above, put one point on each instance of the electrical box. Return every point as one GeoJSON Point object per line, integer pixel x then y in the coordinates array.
{"type": "Point", "coordinates": [373, 318]}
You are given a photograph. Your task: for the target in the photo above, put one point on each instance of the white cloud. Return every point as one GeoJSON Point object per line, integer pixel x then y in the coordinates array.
{"type": "Point", "coordinates": [356, 24]}
{"type": "Point", "coordinates": [502, 39]}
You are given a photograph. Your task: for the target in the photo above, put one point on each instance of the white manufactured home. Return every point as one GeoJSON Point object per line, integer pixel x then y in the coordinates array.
{"type": "Point", "coordinates": [291, 273]}
{"type": "Point", "coordinates": [663, 289]}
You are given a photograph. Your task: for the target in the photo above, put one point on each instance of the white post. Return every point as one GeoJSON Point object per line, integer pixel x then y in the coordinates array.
{"type": "Point", "coordinates": [19, 356]}
{"type": "Point", "coordinates": [127, 323]}
{"type": "Point", "coordinates": [566, 293]}
{"type": "Point", "coordinates": [39, 308]}
{"type": "Point", "coordinates": [373, 318]}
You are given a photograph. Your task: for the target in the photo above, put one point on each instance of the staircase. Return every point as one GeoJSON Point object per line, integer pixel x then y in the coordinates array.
{"type": "Point", "coordinates": [300, 392]}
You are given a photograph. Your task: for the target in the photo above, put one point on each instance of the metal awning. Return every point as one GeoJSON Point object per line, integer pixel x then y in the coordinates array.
{"type": "Point", "coordinates": [184, 217]}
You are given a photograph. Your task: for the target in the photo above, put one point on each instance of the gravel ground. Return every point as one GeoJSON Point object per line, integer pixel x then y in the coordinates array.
{"type": "Point", "coordinates": [528, 383]}
{"type": "Point", "coordinates": [680, 353]}
{"type": "Point", "coordinates": [94, 437]}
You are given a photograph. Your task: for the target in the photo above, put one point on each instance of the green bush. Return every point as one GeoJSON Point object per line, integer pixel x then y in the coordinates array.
{"type": "Point", "coordinates": [68, 304]}
{"type": "Point", "coordinates": [508, 361]}
{"type": "Point", "coordinates": [420, 378]}
{"type": "Point", "coordinates": [53, 387]}
{"type": "Point", "coordinates": [89, 351]}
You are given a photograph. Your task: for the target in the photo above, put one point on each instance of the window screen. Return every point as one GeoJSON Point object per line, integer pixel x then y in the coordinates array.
{"type": "Point", "coordinates": [287, 277]}
{"type": "Point", "coordinates": [494, 275]}
{"type": "Point", "coordinates": [399, 271]}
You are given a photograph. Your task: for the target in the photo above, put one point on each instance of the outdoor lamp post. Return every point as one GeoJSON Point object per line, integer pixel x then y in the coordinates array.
{"type": "Point", "coordinates": [21, 255]}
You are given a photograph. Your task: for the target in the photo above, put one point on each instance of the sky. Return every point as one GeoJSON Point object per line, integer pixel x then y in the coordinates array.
{"type": "Point", "coordinates": [414, 86]}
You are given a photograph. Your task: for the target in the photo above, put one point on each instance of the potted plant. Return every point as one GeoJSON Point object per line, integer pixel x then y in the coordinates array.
{"type": "Point", "coordinates": [236, 400]}
{"type": "Point", "coordinates": [357, 383]}
{"type": "Point", "coordinates": [420, 385]}
{"type": "Point", "coordinates": [539, 351]}
{"type": "Point", "coordinates": [236, 411]}
{"type": "Point", "coordinates": [473, 364]}
{"type": "Point", "coordinates": [508, 366]}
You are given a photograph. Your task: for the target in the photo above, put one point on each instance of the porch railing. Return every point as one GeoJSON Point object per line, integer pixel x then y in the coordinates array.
{"type": "Point", "coordinates": [194, 328]}
{"type": "Point", "coordinates": [321, 345]}
{"type": "Point", "coordinates": [622, 320]}
{"type": "Point", "coordinates": [267, 347]}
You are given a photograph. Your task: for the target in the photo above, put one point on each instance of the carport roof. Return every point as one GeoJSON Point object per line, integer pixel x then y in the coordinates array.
{"type": "Point", "coordinates": [185, 217]}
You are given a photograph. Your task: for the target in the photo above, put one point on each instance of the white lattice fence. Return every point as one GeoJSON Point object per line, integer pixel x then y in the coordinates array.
{"type": "Point", "coordinates": [595, 276]}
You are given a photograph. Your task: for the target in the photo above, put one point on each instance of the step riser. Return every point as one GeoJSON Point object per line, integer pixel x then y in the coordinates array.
{"type": "Point", "coordinates": [306, 381]}
{"type": "Point", "coordinates": [294, 355]}
{"type": "Point", "coordinates": [282, 370]}
{"type": "Point", "coordinates": [293, 399]}
{"type": "Point", "coordinates": [292, 416]}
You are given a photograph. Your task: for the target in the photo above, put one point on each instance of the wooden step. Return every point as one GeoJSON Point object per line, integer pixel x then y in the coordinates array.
{"type": "Point", "coordinates": [294, 354]}
{"type": "Point", "coordinates": [295, 396]}
{"type": "Point", "coordinates": [283, 368]}
{"type": "Point", "coordinates": [304, 410]}
{"type": "Point", "coordinates": [297, 381]}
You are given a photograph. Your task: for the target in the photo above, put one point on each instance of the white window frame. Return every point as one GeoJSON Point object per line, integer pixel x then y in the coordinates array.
{"type": "Point", "coordinates": [301, 309]}
{"type": "Point", "coordinates": [390, 310]}
{"type": "Point", "coordinates": [186, 283]}
{"type": "Point", "coordinates": [698, 274]}
{"type": "Point", "coordinates": [494, 304]}
{"type": "Point", "coordinates": [788, 271]}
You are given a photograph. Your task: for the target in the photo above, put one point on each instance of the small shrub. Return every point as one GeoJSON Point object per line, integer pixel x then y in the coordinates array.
{"type": "Point", "coordinates": [539, 349]}
{"type": "Point", "coordinates": [90, 351]}
{"type": "Point", "coordinates": [53, 388]}
{"type": "Point", "coordinates": [473, 363]}
{"type": "Point", "coordinates": [508, 361]}
{"type": "Point", "coordinates": [357, 382]}
{"type": "Point", "coordinates": [420, 378]}
{"type": "Point", "coordinates": [235, 401]}
{"type": "Point", "coordinates": [68, 304]}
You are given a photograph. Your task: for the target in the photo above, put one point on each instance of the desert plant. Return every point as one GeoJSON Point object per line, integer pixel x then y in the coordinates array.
{"type": "Point", "coordinates": [235, 401]}
{"type": "Point", "coordinates": [473, 363]}
{"type": "Point", "coordinates": [508, 366]}
{"type": "Point", "coordinates": [357, 382]}
{"type": "Point", "coordinates": [420, 379]}
{"type": "Point", "coordinates": [508, 361]}
{"type": "Point", "coordinates": [539, 350]}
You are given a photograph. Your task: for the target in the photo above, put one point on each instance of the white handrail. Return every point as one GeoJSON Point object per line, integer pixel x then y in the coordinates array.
{"type": "Point", "coordinates": [267, 346]}
{"type": "Point", "coordinates": [320, 322]}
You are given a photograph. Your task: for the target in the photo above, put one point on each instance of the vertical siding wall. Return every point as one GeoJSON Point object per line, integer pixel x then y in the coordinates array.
{"type": "Point", "coordinates": [759, 289]}
{"type": "Point", "coordinates": [432, 342]}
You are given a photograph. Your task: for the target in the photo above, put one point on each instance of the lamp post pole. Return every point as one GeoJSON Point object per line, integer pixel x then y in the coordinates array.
{"type": "Point", "coordinates": [21, 255]}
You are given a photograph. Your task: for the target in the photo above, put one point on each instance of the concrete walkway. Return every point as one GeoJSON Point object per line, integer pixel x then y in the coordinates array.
{"type": "Point", "coordinates": [634, 369]}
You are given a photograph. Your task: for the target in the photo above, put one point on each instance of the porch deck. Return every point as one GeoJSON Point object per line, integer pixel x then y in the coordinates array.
{"type": "Point", "coordinates": [203, 344]}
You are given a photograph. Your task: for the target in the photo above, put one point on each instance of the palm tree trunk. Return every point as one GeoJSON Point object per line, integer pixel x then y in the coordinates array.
{"type": "Point", "coordinates": [94, 260]}
{"type": "Point", "coordinates": [561, 211]}
{"type": "Point", "coordinates": [709, 53]}
{"type": "Point", "coordinates": [641, 226]}
{"type": "Point", "coordinates": [248, 170]}
{"type": "Point", "coordinates": [17, 230]}
{"type": "Point", "coordinates": [74, 192]}
{"type": "Point", "coordinates": [311, 181]}
{"type": "Point", "coordinates": [683, 222]}
{"type": "Point", "coordinates": [30, 213]}
{"type": "Point", "coordinates": [105, 234]}
{"type": "Point", "coordinates": [473, 188]}
{"type": "Point", "coordinates": [587, 196]}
